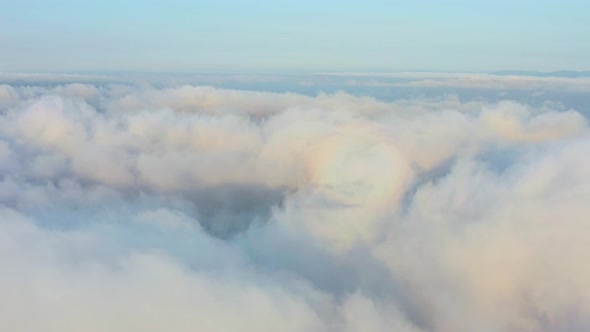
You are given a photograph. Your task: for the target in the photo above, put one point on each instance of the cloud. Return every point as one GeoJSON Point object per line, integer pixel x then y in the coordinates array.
{"type": "Point", "coordinates": [8, 95]}
{"type": "Point", "coordinates": [137, 208]}
{"type": "Point", "coordinates": [467, 81]}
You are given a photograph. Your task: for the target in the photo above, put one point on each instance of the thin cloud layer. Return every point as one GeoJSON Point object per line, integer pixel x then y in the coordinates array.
{"type": "Point", "coordinates": [127, 208]}
{"type": "Point", "coordinates": [468, 81]}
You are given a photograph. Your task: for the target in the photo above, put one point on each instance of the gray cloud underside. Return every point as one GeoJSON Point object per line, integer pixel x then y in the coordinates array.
{"type": "Point", "coordinates": [197, 208]}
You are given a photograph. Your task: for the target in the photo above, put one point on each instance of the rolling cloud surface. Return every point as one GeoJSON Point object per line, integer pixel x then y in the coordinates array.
{"type": "Point", "coordinates": [141, 208]}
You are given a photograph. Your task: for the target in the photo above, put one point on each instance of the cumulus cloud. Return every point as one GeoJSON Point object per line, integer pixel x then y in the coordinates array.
{"type": "Point", "coordinates": [8, 95]}
{"type": "Point", "coordinates": [136, 208]}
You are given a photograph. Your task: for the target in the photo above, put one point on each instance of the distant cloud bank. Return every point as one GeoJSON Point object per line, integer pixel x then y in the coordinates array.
{"type": "Point", "coordinates": [133, 207]}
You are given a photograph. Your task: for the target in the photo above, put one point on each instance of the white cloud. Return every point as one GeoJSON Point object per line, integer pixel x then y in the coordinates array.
{"type": "Point", "coordinates": [145, 209]}
{"type": "Point", "coordinates": [467, 81]}
{"type": "Point", "coordinates": [8, 95]}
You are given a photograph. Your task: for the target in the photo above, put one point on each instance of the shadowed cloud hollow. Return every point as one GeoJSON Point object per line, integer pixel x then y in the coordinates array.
{"type": "Point", "coordinates": [127, 208]}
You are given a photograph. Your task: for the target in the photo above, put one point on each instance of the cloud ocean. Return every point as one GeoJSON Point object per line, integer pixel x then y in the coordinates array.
{"type": "Point", "coordinates": [182, 208]}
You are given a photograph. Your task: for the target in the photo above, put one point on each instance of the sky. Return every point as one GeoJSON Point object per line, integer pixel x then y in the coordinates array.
{"type": "Point", "coordinates": [289, 35]}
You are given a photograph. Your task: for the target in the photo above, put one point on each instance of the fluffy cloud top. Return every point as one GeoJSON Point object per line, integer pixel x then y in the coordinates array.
{"type": "Point", "coordinates": [197, 208]}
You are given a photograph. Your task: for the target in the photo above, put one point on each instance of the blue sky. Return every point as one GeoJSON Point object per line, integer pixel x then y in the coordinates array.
{"type": "Point", "coordinates": [177, 35]}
